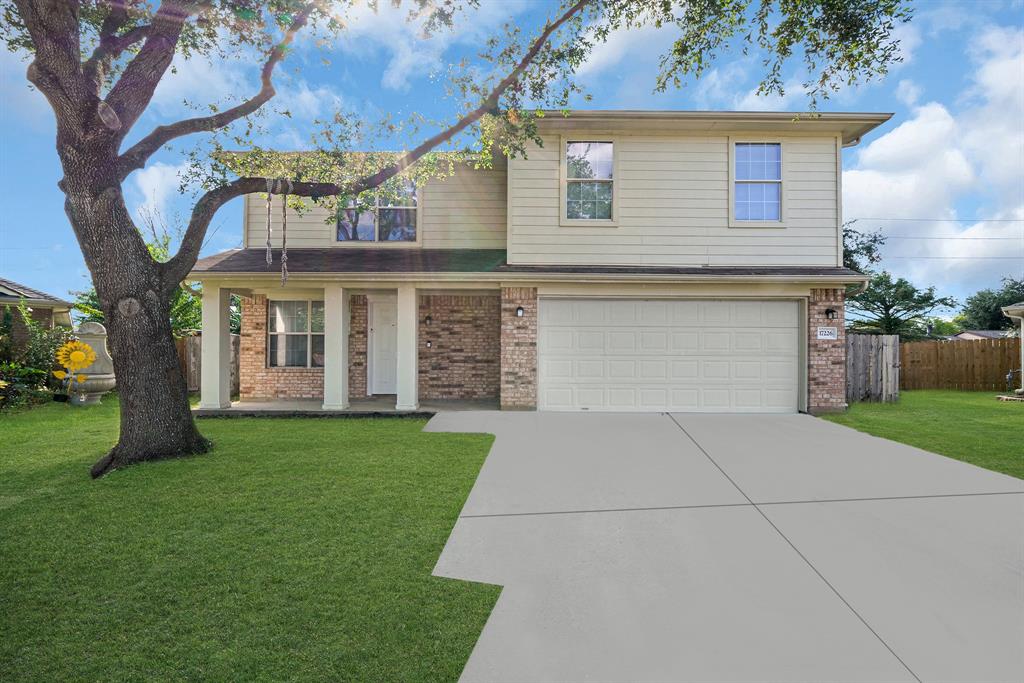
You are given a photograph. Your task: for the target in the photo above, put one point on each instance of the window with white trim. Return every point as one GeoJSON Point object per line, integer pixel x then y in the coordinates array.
{"type": "Point", "coordinates": [757, 185]}
{"type": "Point", "coordinates": [295, 334]}
{"type": "Point", "coordinates": [390, 218]}
{"type": "Point", "coordinates": [588, 178]}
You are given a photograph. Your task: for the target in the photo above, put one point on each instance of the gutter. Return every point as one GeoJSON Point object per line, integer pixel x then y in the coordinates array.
{"type": "Point", "coordinates": [532, 277]}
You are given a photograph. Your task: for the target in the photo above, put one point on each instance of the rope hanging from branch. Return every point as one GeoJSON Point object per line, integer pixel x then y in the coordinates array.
{"type": "Point", "coordinates": [284, 233]}
{"type": "Point", "coordinates": [270, 202]}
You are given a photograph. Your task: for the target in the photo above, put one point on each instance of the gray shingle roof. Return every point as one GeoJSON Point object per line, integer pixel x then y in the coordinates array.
{"type": "Point", "coordinates": [24, 292]}
{"type": "Point", "coordinates": [389, 260]}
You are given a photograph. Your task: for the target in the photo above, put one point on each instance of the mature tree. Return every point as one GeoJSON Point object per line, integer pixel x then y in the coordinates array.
{"type": "Point", "coordinates": [861, 248]}
{"type": "Point", "coordinates": [983, 310]}
{"type": "Point", "coordinates": [940, 327]}
{"type": "Point", "coordinates": [98, 63]}
{"type": "Point", "coordinates": [893, 306]}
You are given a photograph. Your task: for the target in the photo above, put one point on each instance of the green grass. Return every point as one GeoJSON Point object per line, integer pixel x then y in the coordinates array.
{"type": "Point", "coordinates": [298, 549]}
{"type": "Point", "coordinates": [969, 426]}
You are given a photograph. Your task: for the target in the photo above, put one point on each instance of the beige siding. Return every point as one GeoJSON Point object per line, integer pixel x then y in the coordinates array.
{"type": "Point", "coordinates": [673, 207]}
{"type": "Point", "coordinates": [465, 211]}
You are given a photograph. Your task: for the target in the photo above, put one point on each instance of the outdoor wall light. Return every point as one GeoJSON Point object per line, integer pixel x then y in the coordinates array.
{"type": "Point", "coordinates": [429, 343]}
{"type": "Point", "coordinates": [519, 311]}
{"type": "Point", "coordinates": [831, 314]}
{"type": "Point", "coordinates": [428, 320]}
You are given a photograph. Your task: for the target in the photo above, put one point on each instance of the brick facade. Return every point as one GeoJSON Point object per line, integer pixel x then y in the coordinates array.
{"type": "Point", "coordinates": [826, 359]}
{"type": "Point", "coordinates": [464, 357]}
{"type": "Point", "coordinates": [519, 348]}
{"type": "Point", "coordinates": [19, 331]}
{"type": "Point", "coordinates": [358, 343]}
{"type": "Point", "coordinates": [255, 379]}
{"type": "Point", "coordinates": [462, 363]}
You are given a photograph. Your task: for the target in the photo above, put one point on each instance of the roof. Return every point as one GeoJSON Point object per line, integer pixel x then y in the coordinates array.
{"type": "Point", "coordinates": [987, 334]}
{"type": "Point", "coordinates": [1016, 309]}
{"type": "Point", "coordinates": [391, 261]}
{"type": "Point", "coordinates": [851, 125]}
{"type": "Point", "coordinates": [12, 292]}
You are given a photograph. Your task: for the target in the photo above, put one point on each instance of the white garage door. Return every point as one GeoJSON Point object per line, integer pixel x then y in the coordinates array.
{"type": "Point", "coordinates": [679, 355]}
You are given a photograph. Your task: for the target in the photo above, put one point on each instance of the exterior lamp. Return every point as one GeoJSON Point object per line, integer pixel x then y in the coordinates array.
{"type": "Point", "coordinates": [428, 320]}
{"type": "Point", "coordinates": [831, 314]}
{"type": "Point", "coordinates": [519, 311]}
{"type": "Point", "coordinates": [429, 343]}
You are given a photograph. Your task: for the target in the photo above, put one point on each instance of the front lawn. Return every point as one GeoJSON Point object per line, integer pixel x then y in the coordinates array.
{"type": "Point", "coordinates": [969, 426]}
{"type": "Point", "coordinates": [299, 549]}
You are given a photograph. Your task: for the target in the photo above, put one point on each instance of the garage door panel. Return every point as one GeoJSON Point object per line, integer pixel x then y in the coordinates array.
{"type": "Point", "coordinates": [669, 355]}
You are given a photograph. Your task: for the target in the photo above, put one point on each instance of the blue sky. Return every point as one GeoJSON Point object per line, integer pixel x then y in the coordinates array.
{"type": "Point", "coordinates": [944, 178]}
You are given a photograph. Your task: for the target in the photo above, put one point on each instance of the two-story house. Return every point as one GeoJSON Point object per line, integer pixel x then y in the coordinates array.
{"type": "Point", "coordinates": [637, 261]}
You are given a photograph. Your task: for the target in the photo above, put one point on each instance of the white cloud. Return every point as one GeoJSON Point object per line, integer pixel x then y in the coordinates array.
{"type": "Point", "coordinates": [639, 45]}
{"type": "Point", "coordinates": [398, 32]}
{"type": "Point", "coordinates": [156, 186]}
{"type": "Point", "coordinates": [794, 97]}
{"type": "Point", "coordinates": [908, 92]}
{"type": "Point", "coordinates": [936, 161]}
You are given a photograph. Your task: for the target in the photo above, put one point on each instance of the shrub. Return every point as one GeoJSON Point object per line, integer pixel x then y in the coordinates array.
{"type": "Point", "coordinates": [41, 346]}
{"type": "Point", "coordinates": [21, 386]}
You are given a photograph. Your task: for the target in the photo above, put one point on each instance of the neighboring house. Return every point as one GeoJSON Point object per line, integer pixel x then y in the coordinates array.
{"type": "Point", "coordinates": [638, 261]}
{"type": "Point", "coordinates": [45, 309]}
{"type": "Point", "coordinates": [974, 335]}
{"type": "Point", "coordinates": [1015, 312]}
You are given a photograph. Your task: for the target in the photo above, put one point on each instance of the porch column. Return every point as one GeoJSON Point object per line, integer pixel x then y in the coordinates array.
{"type": "Point", "coordinates": [408, 349]}
{"type": "Point", "coordinates": [215, 377]}
{"type": "Point", "coordinates": [336, 322]}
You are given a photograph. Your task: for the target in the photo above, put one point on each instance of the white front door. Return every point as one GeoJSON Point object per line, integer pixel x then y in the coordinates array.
{"type": "Point", "coordinates": [679, 355]}
{"type": "Point", "coordinates": [383, 318]}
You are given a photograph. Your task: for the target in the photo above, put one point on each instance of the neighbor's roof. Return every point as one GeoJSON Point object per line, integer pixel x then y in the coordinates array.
{"type": "Point", "coordinates": [490, 263]}
{"type": "Point", "coordinates": [12, 292]}
{"type": "Point", "coordinates": [1016, 309]}
{"type": "Point", "coordinates": [987, 334]}
{"type": "Point", "coordinates": [851, 125]}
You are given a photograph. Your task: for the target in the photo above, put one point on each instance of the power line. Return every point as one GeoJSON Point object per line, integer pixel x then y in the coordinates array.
{"type": "Point", "coordinates": [966, 239]}
{"type": "Point", "coordinates": [944, 220]}
{"type": "Point", "coordinates": [962, 258]}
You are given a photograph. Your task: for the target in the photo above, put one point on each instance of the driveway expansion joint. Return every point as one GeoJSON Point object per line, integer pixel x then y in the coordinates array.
{"type": "Point", "coordinates": [791, 545]}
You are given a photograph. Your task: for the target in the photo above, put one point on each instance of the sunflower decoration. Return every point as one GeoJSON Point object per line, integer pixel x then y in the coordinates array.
{"type": "Point", "coordinates": [75, 355]}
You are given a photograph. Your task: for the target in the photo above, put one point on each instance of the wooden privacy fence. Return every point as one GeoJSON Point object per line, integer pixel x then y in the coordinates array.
{"type": "Point", "coordinates": [190, 358]}
{"type": "Point", "coordinates": [979, 365]}
{"type": "Point", "coordinates": [872, 367]}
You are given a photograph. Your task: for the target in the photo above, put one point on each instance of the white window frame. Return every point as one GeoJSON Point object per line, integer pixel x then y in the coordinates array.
{"type": "Point", "coordinates": [309, 334]}
{"type": "Point", "coordinates": [375, 243]}
{"type": "Point", "coordinates": [563, 182]}
{"type": "Point", "coordinates": [783, 183]}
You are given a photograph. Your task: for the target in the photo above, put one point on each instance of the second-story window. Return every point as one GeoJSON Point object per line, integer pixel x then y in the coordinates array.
{"type": "Point", "coordinates": [390, 218]}
{"type": "Point", "coordinates": [758, 181]}
{"type": "Point", "coordinates": [588, 180]}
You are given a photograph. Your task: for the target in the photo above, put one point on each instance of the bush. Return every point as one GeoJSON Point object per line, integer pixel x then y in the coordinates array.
{"type": "Point", "coordinates": [40, 349]}
{"type": "Point", "coordinates": [21, 386]}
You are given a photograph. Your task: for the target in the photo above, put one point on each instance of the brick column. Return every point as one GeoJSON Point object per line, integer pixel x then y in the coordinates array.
{"type": "Point", "coordinates": [826, 358]}
{"type": "Point", "coordinates": [519, 348]}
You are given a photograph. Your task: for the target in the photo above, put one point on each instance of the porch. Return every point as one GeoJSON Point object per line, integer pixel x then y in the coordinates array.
{"type": "Point", "coordinates": [372, 406]}
{"type": "Point", "coordinates": [338, 350]}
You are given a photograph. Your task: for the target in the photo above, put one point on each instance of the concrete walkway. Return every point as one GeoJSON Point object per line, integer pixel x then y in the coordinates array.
{"type": "Point", "coordinates": [654, 547]}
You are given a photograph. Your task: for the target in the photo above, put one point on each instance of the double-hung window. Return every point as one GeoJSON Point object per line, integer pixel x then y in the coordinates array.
{"type": "Point", "coordinates": [390, 218]}
{"type": "Point", "coordinates": [757, 184]}
{"type": "Point", "coordinates": [589, 182]}
{"type": "Point", "coordinates": [295, 334]}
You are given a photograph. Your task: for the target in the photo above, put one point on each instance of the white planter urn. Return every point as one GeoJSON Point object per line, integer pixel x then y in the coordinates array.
{"type": "Point", "coordinates": [100, 375]}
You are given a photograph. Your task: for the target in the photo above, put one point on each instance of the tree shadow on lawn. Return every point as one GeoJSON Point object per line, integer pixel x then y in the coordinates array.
{"type": "Point", "coordinates": [297, 549]}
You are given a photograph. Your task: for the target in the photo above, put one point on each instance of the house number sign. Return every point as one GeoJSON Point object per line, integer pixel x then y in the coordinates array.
{"type": "Point", "coordinates": [828, 333]}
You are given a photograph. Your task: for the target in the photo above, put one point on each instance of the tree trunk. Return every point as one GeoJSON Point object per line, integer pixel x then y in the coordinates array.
{"type": "Point", "coordinates": [156, 419]}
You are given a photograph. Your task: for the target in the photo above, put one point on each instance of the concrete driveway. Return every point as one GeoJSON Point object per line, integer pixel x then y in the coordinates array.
{"type": "Point", "coordinates": [656, 547]}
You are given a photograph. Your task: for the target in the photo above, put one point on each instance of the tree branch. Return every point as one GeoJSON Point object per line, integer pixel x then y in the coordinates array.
{"type": "Point", "coordinates": [134, 89]}
{"type": "Point", "coordinates": [488, 104]}
{"type": "Point", "coordinates": [178, 267]}
{"type": "Point", "coordinates": [110, 48]}
{"type": "Point", "coordinates": [54, 29]}
{"type": "Point", "coordinates": [137, 155]}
